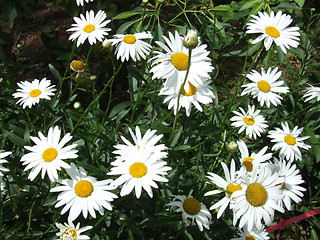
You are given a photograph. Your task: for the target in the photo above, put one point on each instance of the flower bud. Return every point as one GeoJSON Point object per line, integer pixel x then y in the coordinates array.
{"type": "Point", "coordinates": [106, 44]}
{"type": "Point", "coordinates": [77, 105]}
{"type": "Point", "coordinates": [191, 40]}
{"type": "Point", "coordinates": [232, 146]}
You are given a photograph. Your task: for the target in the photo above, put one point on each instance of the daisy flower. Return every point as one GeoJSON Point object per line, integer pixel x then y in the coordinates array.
{"type": "Point", "coordinates": [145, 145]}
{"type": "Point", "coordinates": [30, 93]}
{"type": "Point", "coordinates": [193, 211]}
{"type": "Point", "coordinates": [173, 64]}
{"type": "Point", "coordinates": [80, 2]}
{"type": "Point", "coordinates": [69, 231]}
{"type": "Point", "coordinates": [265, 86]}
{"type": "Point", "coordinates": [254, 234]}
{"type": "Point", "coordinates": [189, 95]}
{"type": "Point", "coordinates": [132, 45]}
{"type": "Point", "coordinates": [292, 179]}
{"type": "Point", "coordinates": [274, 28]}
{"type": "Point", "coordinates": [89, 27]}
{"type": "Point", "coordinates": [251, 121]}
{"type": "Point", "coordinates": [2, 160]}
{"type": "Point", "coordinates": [288, 141]}
{"type": "Point", "coordinates": [83, 193]}
{"type": "Point", "coordinates": [48, 154]}
{"type": "Point", "coordinates": [312, 92]}
{"type": "Point", "coordinates": [253, 160]}
{"type": "Point", "coordinates": [230, 184]}
{"type": "Point", "coordinates": [258, 198]}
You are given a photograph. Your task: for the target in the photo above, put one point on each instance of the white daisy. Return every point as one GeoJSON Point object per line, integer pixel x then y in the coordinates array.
{"type": "Point", "coordinates": [2, 160]}
{"type": "Point", "coordinates": [89, 27]}
{"type": "Point", "coordinates": [253, 160]}
{"type": "Point", "coordinates": [48, 154]}
{"type": "Point", "coordinates": [251, 121]}
{"type": "Point", "coordinates": [189, 95]}
{"type": "Point", "coordinates": [312, 92]}
{"type": "Point", "coordinates": [265, 86]}
{"type": "Point", "coordinates": [173, 64]}
{"type": "Point", "coordinates": [288, 141]}
{"type": "Point", "coordinates": [80, 2]}
{"type": "Point", "coordinates": [258, 198]}
{"type": "Point", "coordinates": [292, 180]}
{"type": "Point", "coordinates": [69, 231]}
{"type": "Point", "coordinates": [84, 194]}
{"type": "Point", "coordinates": [254, 234]}
{"type": "Point", "coordinates": [193, 211]}
{"type": "Point", "coordinates": [145, 145]}
{"type": "Point", "coordinates": [230, 185]}
{"type": "Point", "coordinates": [30, 93]}
{"type": "Point", "coordinates": [131, 45]}
{"type": "Point", "coordinates": [274, 28]}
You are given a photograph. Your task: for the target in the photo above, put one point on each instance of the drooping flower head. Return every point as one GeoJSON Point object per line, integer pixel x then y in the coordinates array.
{"type": "Point", "coordinates": [311, 93]}
{"type": "Point", "coordinates": [69, 231]}
{"type": "Point", "coordinates": [81, 2]}
{"type": "Point", "coordinates": [2, 160]}
{"type": "Point", "coordinates": [254, 234]}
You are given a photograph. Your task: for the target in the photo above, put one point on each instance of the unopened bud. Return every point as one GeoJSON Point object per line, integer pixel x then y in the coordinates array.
{"type": "Point", "coordinates": [191, 40]}
{"type": "Point", "coordinates": [106, 44]}
{"type": "Point", "coordinates": [145, 1]}
{"type": "Point", "coordinates": [93, 77]}
{"type": "Point", "coordinates": [77, 105]}
{"type": "Point", "coordinates": [123, 217]}
{"type": "Point", "coordinates": [232, 146]}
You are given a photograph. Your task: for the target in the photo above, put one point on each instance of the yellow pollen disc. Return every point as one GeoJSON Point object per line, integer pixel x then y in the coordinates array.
{"type": "Point", "coordinates": [77, 65]}
{"type": "Point", "coordinates": [138, 170]}
{"type": "Point", "coordinates": [247, 162]}
{"type": "Point", "coordinates": [264, 86]}
{"type": "Point", "coordinates": [249, 120]}
{"type": "Point", "coordinates": [272, 32]}
{"type": "Point", "coordinates": [70, 232]}
{"type": "Point", "coordinates": [49, 154]}
{"type": "Point", "coordinates": [35, 93]}
{"type": "Point", "coordinates": [232, 188]}
{"type": "Point", "coordinates": [192, 90]}
{"type": "Point", "coordinates": [180, 61]}
{"type": "Point", "coordinates": [290, 140]}
{"type": "Point", "coordinates": [256, 194]}
{"type": "Point", "coordinates": [250, 237]}
{"type": "Point", "coordinates": [191, 206]}
{"type": "Point", "coordinates": [129, 39]}
{"type": "Point", "coordinates": [83, 188]}
{"type": "Point", "coordinates": [89, 28]}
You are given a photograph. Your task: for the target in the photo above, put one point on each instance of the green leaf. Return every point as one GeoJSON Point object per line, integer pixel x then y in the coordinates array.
{"type": "Point", "coordinates": [225, 8]}
{"type": "Point", "coordinates": [300, 3]}
{"type": "Point", "coordinates": [250, 4]}
{"type": "Point", "coordinates": [314, 142]}
{"type": "Point", "coordinates": [117, 109]}
{"type": "Point", "coordinates": [123, 28]}
{"type": "Point", "coordinates": [55, 72]}
{"type": "Point", "coordinates": [128, 14]}
{"type": "Point", "coordinates": [181, 147]}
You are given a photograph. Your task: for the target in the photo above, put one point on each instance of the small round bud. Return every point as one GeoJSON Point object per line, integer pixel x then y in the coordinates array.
{"type": "Point", "coordinates": [123, 217]}
{"type": "Point", "coordinates": [106, 44]}
{"type": "Point", "coordinates": [145, 1]}
{"type": "Point", "coordinates": [250, 41]}
{"type": "Point", "coordinates": [77, 105]}
{"type": "Point", "coordinates": [93, 77]}
{"type": "Point", "coordinates": [232, 146]}
{"type": "Point", "coordinates": [19, 45]}
{"type": "Point", "coordinates": [191, 40]}
{"type": "Point", "coordinates": [1, 79]}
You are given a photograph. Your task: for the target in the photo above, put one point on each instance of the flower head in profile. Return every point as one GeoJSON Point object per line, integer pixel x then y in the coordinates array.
{"type": "Point", "coordinates": [69, 231]}
{"type": "Point", "coordinates": [249, 121]}
{"type": "Point", "coordinates": [230, 184]}
{"type": "Point", "coordinates": [172, 65]}
{"type": "Point", "coordinates": [84, 194]}
{"type": "Point", "coordinates": [2, 160]}
{"type": "Point", "coordinates": [30, 93]}
{"type": "Point", "coordinates": [254, 234]}
{"type": "Point", "coordinates": [91, 27]}
{"type": "Point", "coordinates": [311, 93]}
{"type": "Point", "coordinates": [131, 46]}
{"type": "Point", "coordinates": [189, 95]}
{"type": "Point", "coordinates": [274, 28]}
{"type": "Point", "coordinates": [81, 2]}
{"type": "Point", "coordinates": [48, 153]}
{"type": "Point", "coordinates": [193, 211]}
{"type": "Point", "coordinates": [265, 86]}
{"type": "Point", "coordinates": [288, 141]}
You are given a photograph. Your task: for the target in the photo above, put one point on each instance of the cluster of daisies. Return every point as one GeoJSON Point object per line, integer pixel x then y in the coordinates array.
{"type": "Point", "coordinates": [263, 183]}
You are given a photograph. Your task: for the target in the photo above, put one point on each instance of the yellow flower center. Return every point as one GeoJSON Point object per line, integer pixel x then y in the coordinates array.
{"type": "Point", "coordinates": [89, 28]}
{"type": "Point", "coordinates": [247, 162]}
{"type": "Point", "coordinates": [35, 93]}
{"type": "Point", "coordinates": [191, 206]}
{"type": "Point", "coordinates": [249, 120]}
{"type": "Point", "coordinates": [264, 86]}
{"type": "Point", "coordinates": [180, 61]}
{"type": "Point", "coordinates": [129, 39]}
{"type": "Point", "coordinates": [272, 32]}
{"type": "Point", "coordinates": [70, 232]}
{"type": "Point", "coordinates": [290, 140]}
{"type": "Point", "coordinates": [49, 154]}
{"type": "Point", "coordinates": [250, 237]}
{"type": "Point", "coordinates": [83, 188]}
{"type": "Point", "coordinates": [192, 90]}
{"type": "Point", "coordinates": [256, 194]}
{"type": "Point", "coordinates": [138, 170]}
{"type": "Point", "coordinates": [232, 188]}
{"type": "Point", "coordinates": [77, 65]}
